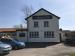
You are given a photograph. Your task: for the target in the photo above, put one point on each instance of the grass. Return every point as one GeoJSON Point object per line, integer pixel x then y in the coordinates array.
{"type": "Point", "coordinates": [73, 54]}
{"type": "Point", "coordinates": [67, 54]}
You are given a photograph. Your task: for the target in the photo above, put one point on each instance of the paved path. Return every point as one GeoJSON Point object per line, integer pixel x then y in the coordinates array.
{"type": "Point", "coordinates": [55, 50]}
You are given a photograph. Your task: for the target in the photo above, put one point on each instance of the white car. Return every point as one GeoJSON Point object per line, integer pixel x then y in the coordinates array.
{"type": "Point", "coordinates": [4, 48]}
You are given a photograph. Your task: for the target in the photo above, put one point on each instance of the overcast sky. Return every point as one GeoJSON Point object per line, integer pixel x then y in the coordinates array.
{"type": "Point", "coordinates": [11, 11]}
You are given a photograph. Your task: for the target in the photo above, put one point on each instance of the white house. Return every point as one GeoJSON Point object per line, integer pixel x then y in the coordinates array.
{"type": "Point", "coordinates": [43, 26]}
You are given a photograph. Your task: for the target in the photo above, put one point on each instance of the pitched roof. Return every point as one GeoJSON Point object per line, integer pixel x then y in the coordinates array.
{"type": "Point", "coordinates": [21, 29]}
{"type": "Point", "coordinates": [12, 29]}
{"type": "Point", "coordinates": [44, 10]}
{"type": "Point", "coordinates": [7, 29]}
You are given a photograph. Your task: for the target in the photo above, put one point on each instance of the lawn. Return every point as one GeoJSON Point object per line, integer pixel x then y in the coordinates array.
{"type": "Point", "coordinates": [73, 54]}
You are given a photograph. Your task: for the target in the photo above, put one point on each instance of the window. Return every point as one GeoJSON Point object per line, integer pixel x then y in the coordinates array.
{"type": "Point", "coordinates": [52, 34]}
{"type": "Point", "coordinates": [36, 24]}
{"type": "Point", "coordinates": [46, 24]}
{"type": "Point", "coordinates": [42, 17]}
{"type": "Point", "coordinates": [21, 34]}
{"type": "Point", "coordinates": [48, 34]}
{"type": "Point", "coordinates": [13, 33]}
{"type": "Point", "coordinates": [34, 34]}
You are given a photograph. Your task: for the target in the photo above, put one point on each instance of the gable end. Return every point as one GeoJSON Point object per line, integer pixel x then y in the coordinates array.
{"type": "Point", "coordinates": [40, 10]}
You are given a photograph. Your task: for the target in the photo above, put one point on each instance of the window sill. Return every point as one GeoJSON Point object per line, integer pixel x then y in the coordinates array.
{"type": "Point", "coordinates": [33, 37]}
{"type": "Point", "coordinates": [49, 37]}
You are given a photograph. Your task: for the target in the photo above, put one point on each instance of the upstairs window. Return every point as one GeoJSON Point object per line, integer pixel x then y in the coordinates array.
{"type": "Point", "coordinates": [46, 24]}
{"type": "Point", "coordinates": [36, 24]}
{"type": "Point", "coordinates": [42, 17]}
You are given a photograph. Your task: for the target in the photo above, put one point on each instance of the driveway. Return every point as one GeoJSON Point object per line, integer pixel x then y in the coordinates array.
{"type": "Point", "coordinates": [54, 50]}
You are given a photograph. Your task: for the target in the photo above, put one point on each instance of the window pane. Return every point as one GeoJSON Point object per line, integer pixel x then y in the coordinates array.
{"type": "Point", "coordinates": [52, 34]}
{"type": "Point", "coordinates": [21, 34]}
{"type": "Point", "coordinates": [34, 34]}
{"type": "Point", "coordinates": [35, 24]}
{"type": "Point", "coordinates": [48, 34]}
{"type": "Point", "coordinates": [30, 34]}
{"type": "Point", "coordinates": [14, 33]}
{"type": "Point", "coordinates": [46, 23]}
{"type": "Point", "coordinates": [43, 17]}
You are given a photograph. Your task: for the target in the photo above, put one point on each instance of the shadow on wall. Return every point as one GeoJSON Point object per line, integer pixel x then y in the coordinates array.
{"type": "Point", "coordinates": [39, 44]}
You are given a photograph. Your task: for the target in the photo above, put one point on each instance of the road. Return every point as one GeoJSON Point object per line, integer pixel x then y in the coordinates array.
{"type": "Point", "coordinates": [54, 50]}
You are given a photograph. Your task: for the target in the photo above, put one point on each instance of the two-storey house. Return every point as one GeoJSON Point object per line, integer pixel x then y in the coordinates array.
{"type": "Point", "coordinates": [43, 26]}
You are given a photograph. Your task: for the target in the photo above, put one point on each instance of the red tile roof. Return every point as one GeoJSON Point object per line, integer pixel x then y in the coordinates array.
{"type": "Point", "coordinates": [19, 29]}
{"type": "Point", "coordinates": [11, 29]}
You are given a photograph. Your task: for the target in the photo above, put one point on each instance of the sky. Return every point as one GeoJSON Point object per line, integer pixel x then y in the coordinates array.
{"type": "Point", "coordinates": [11, 11]}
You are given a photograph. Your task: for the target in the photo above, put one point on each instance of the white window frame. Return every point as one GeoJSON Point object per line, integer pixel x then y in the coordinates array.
{"type": "Point", "coordinates": [34, 34]}
{"type": "Point", "coordinates": [48, 34]}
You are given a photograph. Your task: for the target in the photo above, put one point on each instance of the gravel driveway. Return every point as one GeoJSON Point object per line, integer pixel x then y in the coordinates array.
{"type": "Point", "coordinates": [54, 50]}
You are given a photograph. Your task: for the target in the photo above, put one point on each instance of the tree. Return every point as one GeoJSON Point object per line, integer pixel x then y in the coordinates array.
{"type": "Point", "coordinates": [18, 26]}
{"type": "Point", "coordinates": [27, 10]}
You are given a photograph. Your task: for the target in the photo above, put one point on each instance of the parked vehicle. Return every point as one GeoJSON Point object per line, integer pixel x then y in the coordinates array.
{"type": "Point", "coordinates": [15, 44]}
{"type": "Point", "coordinates": [4, 48]}
{"type": "Point", "coordinates": [22, 43]}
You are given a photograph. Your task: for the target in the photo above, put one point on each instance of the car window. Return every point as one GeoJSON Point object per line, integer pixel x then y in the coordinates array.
{"type": "Point", "coordinates": [9, 41]}
{"type": "Point", "coordinates": [5, 40]}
